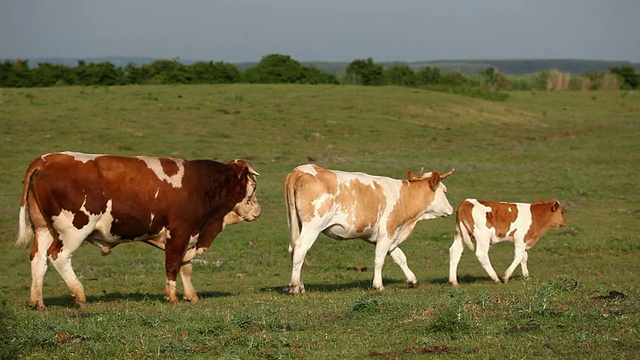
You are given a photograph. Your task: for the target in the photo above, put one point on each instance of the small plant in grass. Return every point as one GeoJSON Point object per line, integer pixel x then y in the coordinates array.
{"type": "Point", "coordinates": [367, 305]}
{"type": "Point", "coordinates": [452, 317]}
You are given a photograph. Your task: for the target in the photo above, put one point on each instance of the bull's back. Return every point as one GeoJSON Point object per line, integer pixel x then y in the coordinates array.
{"type": "Point", "coordinates": [127, 188]}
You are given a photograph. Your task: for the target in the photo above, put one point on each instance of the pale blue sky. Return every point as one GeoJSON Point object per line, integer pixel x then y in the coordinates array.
{"type": "Point", "coordinates": [322, 30]}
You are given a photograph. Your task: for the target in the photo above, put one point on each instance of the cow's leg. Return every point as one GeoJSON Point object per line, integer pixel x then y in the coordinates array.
{"type": "Point", "coordinates": [298, 250]}
{"type": "Point", "coordinates": [518, 256]}
{"type": "Point", "coordinates": [382, 248]}
{"type": "Point", "coordinates": [482, 253]}
{"type": "Point", "coordinates": [60, 253]}
{"type": "Point", "coordinates": [399, 258]}
{"type": "Point", "coordinates": [523, 264]}
{"type": "Point", "coordinates": [455, 253]}
{"type": "Point", "coordinates": [43, 239]}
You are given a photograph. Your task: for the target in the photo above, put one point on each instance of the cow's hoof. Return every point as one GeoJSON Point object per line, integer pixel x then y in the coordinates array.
{"type": "Point", "coordinates": [412, 284]}
{"type": "Point", "coordinates": [37, 306]}
{"type": "Point", "coordinates": [81, 305]}
{"type": "Point", "coordinates": [379, 288]}
{"type": "Point", "coordinates": [193, 299]}
{"type": "Point", "coordinates": [293, 289]}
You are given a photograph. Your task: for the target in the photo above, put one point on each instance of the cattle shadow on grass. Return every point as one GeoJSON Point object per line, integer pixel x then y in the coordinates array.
{"type": "Point", "coordinates": [67, 301]}
{"type": "Point", "coordinates": [327, 288]}
{"type": "Point", "coordinates": [469, 279]}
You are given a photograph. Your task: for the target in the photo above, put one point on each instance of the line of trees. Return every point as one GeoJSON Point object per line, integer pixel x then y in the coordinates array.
{"type": "Point", "coordinates": [278, 68]}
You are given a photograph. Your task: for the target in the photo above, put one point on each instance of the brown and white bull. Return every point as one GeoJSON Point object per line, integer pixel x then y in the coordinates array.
{"type": "Point", "coordinates": [344, 205]}
{"type": "Point", "coordinates": [488, 222]}
{"type": "Point", "coordinates": [176, 205]}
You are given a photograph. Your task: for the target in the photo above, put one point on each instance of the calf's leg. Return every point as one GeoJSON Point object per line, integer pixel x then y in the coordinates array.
{"type": "Point", "coordinates": [482, 253]}
{"type": "Point", "coordinates": [523, 264]}
{"type": "Point", "coordinates": [518, 256]}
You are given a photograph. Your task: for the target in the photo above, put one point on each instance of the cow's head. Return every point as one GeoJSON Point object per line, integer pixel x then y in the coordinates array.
{"type": "Point", "coordinates": [555, 213]}
{"type": "Point", "coordinates": [248, 209]}
{"type": "Point", "coordinates": [440, 205]}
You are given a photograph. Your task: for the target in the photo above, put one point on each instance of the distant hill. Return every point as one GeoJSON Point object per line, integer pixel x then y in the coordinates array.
{"type": "Point", "coordinates": [515, 67]}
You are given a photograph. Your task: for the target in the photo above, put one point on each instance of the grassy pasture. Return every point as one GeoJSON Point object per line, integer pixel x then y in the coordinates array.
{"type": "Point", "coordinates": [581, 302]}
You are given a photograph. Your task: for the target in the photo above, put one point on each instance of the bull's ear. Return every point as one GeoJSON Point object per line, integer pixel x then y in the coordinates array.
{"type": "Point", "coordinates": [434, 180]}
{"type": "Point", "coordinates": [556, 205]}
{"type": "Point", "coordinates": [411, 175]}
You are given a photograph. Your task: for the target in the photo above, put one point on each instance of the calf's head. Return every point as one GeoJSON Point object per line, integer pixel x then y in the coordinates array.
{"type": "Point", "coordinates": [555, 213]}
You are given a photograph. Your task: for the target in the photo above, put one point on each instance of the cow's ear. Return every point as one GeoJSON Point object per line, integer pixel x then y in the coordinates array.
{"type": "Point", "coordinates": [411, 175]}
{"type": "Point", "coordinates": [556, 205]}
{"type": "Point", "coordinates": [434, 180]}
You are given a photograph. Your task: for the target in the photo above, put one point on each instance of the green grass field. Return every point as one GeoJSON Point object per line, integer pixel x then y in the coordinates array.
{"type": "Point", "coordinates": [579, 147]}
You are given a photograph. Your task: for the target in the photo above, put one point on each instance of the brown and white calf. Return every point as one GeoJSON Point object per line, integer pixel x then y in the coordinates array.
{"type": "Point", "coordinates": [488, 222]}
{"type": "Point", "coordinates": [177, 205]}
{"type": "Point", "coordinates": [344, 205]}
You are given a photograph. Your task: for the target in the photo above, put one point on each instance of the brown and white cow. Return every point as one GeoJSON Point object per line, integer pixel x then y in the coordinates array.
{"type": "Point", "coordinates": [487, 223]}
{"type": "Point", "coordinates": [345, 205]}
{"type": "Point", "coordinates": [176, 205]}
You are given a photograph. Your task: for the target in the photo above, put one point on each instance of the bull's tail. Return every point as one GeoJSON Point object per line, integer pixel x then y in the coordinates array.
{"type": "Point", "coordinates": [292, 213]}
{"type": "Point", "coordinates": [25, 228]}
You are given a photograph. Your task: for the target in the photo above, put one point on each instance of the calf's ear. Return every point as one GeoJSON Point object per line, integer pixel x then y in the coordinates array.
{"type": "Point", "coordinates": [556, 205]}
{"type": "Point", "coordinates": [411, 175]}
{"type": "Point", "coordinates": [539, 201]}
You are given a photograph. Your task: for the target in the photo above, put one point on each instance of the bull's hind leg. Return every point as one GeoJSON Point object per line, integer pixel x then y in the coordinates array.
{"type": "Point", "coordinates": [60, 253]}
{"type": "Point", "coordinates": [66, 243]}
{"type": "Point", "coordinates": [399, 258]}
{"type": "Point", "coordinates": [298, 250]}
{"type": "Point", "coordinates": [43, 239]}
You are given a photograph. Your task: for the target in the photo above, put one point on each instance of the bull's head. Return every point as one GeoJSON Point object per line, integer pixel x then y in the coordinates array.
{"type": "Point", "coordinates": [248, 209]}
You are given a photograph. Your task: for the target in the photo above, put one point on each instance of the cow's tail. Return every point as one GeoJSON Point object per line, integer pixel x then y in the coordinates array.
{"type": "Point", "coordinates": [292, 213]}
{"type": "Point", "coordinates": [25, 229]}
{"type": "Point", "coordinates": [463, 230]}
